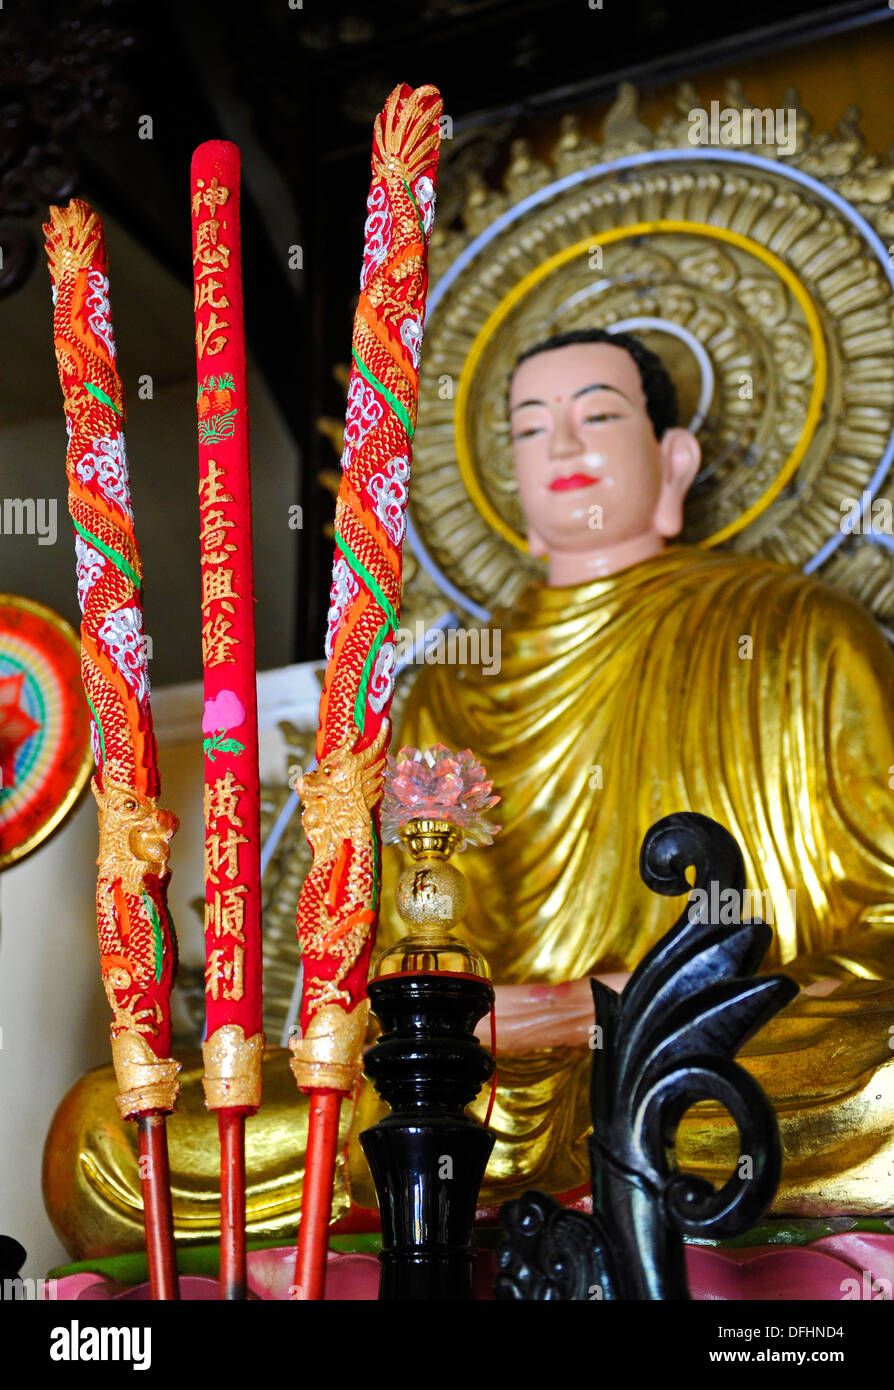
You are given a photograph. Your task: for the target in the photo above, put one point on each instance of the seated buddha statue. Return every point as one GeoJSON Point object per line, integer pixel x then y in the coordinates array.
{"type": "Point", "coordinates": [640, 679]}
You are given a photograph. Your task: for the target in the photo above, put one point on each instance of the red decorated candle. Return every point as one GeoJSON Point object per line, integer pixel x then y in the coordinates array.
{"type": "Point", "coordinates": [136, 937]}
{"type": "Point", "coordinates": [338, 906]}
{"type": "Point", "coordinates": [234, 1043]}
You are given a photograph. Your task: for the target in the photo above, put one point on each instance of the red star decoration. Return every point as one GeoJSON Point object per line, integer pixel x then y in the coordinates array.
{"type": "Point", "coordinates": [16, 725]}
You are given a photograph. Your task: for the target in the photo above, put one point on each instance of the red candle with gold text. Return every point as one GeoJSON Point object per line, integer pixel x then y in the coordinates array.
{"type": "Point", "coordinates": [234, 1044]}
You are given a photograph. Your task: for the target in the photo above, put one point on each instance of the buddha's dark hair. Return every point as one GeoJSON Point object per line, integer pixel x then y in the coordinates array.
{"type": "Point", "coordinates": [658, 389]}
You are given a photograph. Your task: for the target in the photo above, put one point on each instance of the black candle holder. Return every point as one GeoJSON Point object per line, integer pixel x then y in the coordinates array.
{"type": "Point", "coordinates": [428, 1157]}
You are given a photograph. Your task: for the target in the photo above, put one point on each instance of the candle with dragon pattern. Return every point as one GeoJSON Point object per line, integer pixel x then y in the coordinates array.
{"type": "Point", "coordinates": [137, 946]}
{"type": "Point", "coordinates": [339, 900]}
{"type": "Point", "coordinates": [235, 1043]}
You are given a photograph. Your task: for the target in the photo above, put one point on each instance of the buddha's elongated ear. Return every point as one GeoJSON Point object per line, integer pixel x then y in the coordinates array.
{"type": "Point", "coordinates": [536, 544]}
{"type": "Point", "coordinates": [680, 457]}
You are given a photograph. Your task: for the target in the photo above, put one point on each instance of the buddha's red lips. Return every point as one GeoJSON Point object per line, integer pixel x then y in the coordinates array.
{"type": "Point", "coordinates": [573, 480]}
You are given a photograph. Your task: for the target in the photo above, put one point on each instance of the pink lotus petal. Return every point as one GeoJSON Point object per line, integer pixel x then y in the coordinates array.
{"type": "Point", "coordinates": [438, 785]}
{"type": "Point", "coordinates": [271, 1274]}
{"type": "Point", "coordinates": [827, 1270]}
{"type": "Point", "coordinates": [89, 1287]}
{"type": "Point", "coordinates": [76, 1286]}
{"type": "Point", "coordinates": [834, 1268]}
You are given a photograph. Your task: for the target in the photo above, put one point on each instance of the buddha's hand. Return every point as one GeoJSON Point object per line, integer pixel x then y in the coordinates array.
{"type": "Point", "coordinates": [530, 1017]}
{"type": "Point", "coordinates": [820, 988]}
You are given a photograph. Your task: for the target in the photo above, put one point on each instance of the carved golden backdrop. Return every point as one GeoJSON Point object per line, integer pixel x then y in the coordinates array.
{"type": "Point", "coordinates": [764, 281]}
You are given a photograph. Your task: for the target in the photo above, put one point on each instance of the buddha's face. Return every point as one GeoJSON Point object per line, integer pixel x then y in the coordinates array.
{"type": "Point", "coordinates": [591, 474]}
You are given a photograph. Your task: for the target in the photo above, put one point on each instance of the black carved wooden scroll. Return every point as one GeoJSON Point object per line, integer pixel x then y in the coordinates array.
{"type": "Point", "coordinates": [667, 1042]}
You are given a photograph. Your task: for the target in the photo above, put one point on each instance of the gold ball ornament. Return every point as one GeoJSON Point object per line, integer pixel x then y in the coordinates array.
{"type": "Point", "coordinates": [432, 893]}
{"type": "Point", "coordinates": [431, 896]}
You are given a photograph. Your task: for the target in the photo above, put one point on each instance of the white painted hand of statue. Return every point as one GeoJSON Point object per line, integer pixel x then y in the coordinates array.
{"type": "Point", "coordinates": [820, 988]}
{"type": "Point", "coordinates": [531, 1017]}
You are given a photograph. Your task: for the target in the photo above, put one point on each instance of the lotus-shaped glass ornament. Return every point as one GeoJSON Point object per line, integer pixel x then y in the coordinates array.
{"type": "Point", "coordinates": [434, 806]}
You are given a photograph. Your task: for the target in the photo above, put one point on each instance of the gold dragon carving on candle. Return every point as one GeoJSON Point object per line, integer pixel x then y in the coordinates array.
{"type": "Point", "coordinates": [338, 797]}
{"type": "Point", "coordinates": [134, 841]}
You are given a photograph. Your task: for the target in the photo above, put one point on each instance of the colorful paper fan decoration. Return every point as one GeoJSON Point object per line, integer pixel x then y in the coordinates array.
{"type": "Point", "coordinates": [45, 754]}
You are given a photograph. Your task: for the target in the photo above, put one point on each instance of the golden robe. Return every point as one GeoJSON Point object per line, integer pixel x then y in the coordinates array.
{"type": "Point", "coordinates": [706, 682]}
{"type": "Point", "coordinates": [695, 681]}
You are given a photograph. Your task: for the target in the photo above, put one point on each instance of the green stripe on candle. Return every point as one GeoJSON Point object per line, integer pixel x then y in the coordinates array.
{"type": "Point", "coordinates": [360, 702]}
{"type": "Point", "coordinates": [157, 937]}
{"type": "Point", "coordinates": [412, 197]}
{"type": "Point", "coordinates": [102, 737]}
{"type": "Point", "coordinates": [376, 858]}
{"type": "Point", "coordinates": [116, 559]}
{"type": "Point", "coordinates": [369, 580]}
{"type": "Point", "coordinates": [100, 395]}
{"type": "Point", "coordinates": [399, 410]}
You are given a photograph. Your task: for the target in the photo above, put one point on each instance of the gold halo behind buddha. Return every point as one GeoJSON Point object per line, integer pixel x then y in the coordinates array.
{"type": "Point", "coordinates": [758, 278]}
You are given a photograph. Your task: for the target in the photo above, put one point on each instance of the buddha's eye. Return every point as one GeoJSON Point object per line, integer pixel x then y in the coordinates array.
{"type": "Point", "coordinates": [529, 433]}
{"type": "Point", "coordinates": [599, 419]}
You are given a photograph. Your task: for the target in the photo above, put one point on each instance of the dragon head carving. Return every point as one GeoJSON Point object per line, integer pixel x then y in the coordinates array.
{"type": "Point", "coordinates": [134, 835]}
{"type": "Point", "coordinates": [339, 795]}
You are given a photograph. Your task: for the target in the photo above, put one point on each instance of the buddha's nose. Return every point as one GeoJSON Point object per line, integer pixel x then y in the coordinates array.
{"type": "Point", "coordinates": [564, 443]}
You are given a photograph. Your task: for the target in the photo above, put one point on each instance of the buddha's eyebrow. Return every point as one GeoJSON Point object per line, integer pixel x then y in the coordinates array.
{"type": "Point", "coordinates": [600, 386]}
{"type": "Point", "coordinates": [584, 391]}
